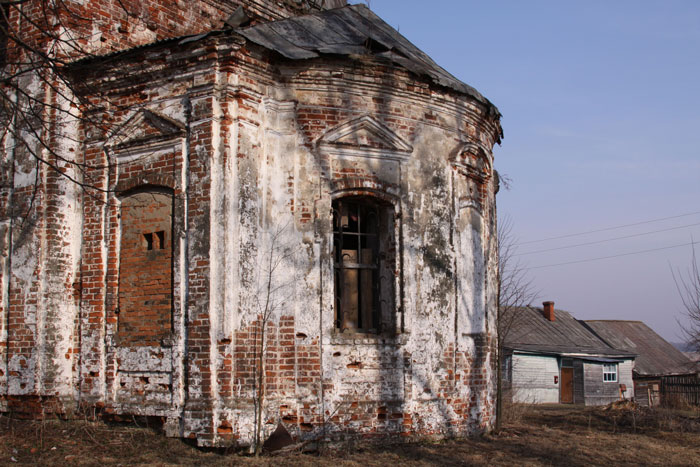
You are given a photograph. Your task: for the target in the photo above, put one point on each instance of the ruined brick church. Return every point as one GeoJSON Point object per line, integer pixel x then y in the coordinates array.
{"type": "Point", "coordinates": [280, 205]}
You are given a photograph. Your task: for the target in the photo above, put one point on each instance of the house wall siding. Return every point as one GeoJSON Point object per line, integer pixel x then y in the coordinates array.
{"type": "Point", "coordinates": [599, 392]}
{"type": "Point", "coordinates": [533, 379]}
{"type": "Point", "coordinates": [579, 382]}
{"type": "Point", "coordinates": [647, 391]}
{"type": "Point", "coordinates": [625, 372]}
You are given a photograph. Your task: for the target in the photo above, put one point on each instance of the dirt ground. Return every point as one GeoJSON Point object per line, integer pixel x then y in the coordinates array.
{"type": "Point", "coordinates": [551, 435]}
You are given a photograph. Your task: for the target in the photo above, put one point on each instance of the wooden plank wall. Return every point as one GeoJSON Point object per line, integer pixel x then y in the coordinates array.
{"type": "Point", "coordinates": [599, 392]}
{"type": "Point", "coordinates": [579, 395]}
{"type": "Point", "coordinates": [533, 379]}
{"type": "Point", "coordinates": [681, 390]}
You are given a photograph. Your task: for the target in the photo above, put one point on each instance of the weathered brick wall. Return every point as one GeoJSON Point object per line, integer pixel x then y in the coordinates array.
{"type": "Point", "coordinates": [254, 159]}
{"type": "Point", "coordinates": [121, 24]}
{"type": "Point", "coordinates": [47, 295]}
{"type": "Point", "coordinates": [40, 214]}
{"type": "Point", "coordinates": [366, 381]}
{"type": "Point", "coordinates": [145, 269]}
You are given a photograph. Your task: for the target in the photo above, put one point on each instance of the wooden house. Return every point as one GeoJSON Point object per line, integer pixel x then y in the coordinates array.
{"type": "Point", "coordinates": [658, 362]}
{"type": "Point", "coordinates": [550, 357]}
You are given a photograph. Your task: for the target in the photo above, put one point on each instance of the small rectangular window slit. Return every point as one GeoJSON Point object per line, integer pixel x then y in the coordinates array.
{"type": "Point", "coordinates": [155, 241]}
{"type": "Point", "coordinates": [161, 239]}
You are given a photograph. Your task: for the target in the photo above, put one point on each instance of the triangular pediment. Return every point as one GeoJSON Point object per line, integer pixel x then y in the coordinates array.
{"type": "Point", "coordinates": [145, 128]}
{"type": "Point", "coordinates": [365, 134]}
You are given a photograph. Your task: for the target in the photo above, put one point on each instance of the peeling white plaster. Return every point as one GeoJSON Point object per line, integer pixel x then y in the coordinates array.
{"type": "Point", "coordinates": [271, 192]}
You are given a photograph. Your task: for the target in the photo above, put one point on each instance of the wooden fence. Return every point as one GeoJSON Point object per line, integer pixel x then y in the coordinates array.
{"type": "Point", "coordinates": [680, 389]}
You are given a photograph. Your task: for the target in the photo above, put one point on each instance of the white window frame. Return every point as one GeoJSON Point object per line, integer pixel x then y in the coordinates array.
{"type": "Point", "coordinates": [610, 372]}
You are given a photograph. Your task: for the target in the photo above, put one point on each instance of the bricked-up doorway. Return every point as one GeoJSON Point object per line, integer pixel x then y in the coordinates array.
{"type": "Point", "coordinates": [145, 269]}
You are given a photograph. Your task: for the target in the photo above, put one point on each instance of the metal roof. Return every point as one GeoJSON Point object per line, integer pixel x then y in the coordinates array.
{"type": "Point", "coordinates": [352, 30]}
{"type": "Point", "coordinates": [655, 355]}
{"type": "Point", "coordinates": [533, 333]}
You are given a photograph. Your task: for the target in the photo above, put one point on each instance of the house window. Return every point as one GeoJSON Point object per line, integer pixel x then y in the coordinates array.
{"type": "Point", "coordinates": [610, 372]}
{"type": "Point", "coordinates": [363, 253]}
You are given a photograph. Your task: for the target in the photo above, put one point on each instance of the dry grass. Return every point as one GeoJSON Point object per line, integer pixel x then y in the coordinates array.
{"type": "Point", "coordinates": [550, 435]}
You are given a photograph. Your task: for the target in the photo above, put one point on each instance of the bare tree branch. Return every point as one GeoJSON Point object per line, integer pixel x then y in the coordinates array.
{"type": "Point", "coordinates": [43, 101]}
{"type": "Point", "coordinates": [688, 286]}
{"type": "Point", "coordinates": [515, 291]}
{"type": "Point", "coordinates": [271, 286]}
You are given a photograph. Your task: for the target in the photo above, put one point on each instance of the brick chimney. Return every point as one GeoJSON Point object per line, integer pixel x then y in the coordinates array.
{"type": "Point", "coordinates": [548, 310]}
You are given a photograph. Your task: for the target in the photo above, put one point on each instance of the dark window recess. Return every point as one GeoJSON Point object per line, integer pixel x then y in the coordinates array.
{"type": "Point", "coordinates": [362, 229]}
{"type": "Point", "coordinates": [161, 239]}
{"type": "Point", "coordinates": [155, 241]}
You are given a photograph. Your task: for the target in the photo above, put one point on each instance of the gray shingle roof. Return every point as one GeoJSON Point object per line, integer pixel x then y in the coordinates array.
{"type": "Point", "coordinates": [655, 355]}
{"type": "Point", "coordinates": [352, 30]}
{"type": "Point", "coordinates": [532, 332]}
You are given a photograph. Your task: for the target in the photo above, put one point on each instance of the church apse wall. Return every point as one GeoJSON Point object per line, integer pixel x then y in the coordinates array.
{"type": "Point", "coordinates": [320, 231]}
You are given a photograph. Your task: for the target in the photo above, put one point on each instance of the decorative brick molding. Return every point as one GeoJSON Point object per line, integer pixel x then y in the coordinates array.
{"type": "Point", "coordinates": [205, 230]}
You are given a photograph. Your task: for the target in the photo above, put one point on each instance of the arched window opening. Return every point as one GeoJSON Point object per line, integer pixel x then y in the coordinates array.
{"type": "Point", "coordinates": [364, 256]}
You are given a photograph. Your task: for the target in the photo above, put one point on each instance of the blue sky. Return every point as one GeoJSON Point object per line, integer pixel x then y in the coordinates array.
{"type": "Point", "coordinates": [601, 114]}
